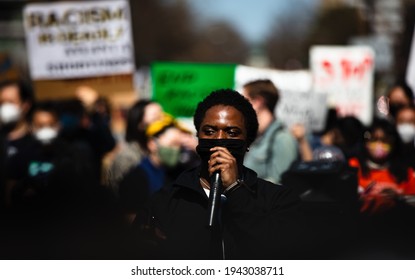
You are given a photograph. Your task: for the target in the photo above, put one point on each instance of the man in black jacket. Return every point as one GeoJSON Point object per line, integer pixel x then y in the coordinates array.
{"type": "Point", "coordinates": [256, 218]}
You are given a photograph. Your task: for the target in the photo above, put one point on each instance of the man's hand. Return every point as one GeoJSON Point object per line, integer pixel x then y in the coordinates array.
{"type": "Point", "coordinates": [223, 161]}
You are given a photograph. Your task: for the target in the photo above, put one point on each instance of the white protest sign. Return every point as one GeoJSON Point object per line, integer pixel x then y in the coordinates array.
{"type": "Point", "coordinates": [346, 75]}
{"type": "Point", "coordinates": [307, 108]}
{"type": "Point", "coordinates": [298, 80]}
{"type": "Point", "coordinates": [410, 69]}
{"type": "Point", "coordinates": [78, 39]}
{"type": "Point", "coordinates": [297, 103]}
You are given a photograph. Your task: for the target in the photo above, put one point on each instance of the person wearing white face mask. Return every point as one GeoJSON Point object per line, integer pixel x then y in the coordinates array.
{"type": "Point", "coordinates": [45, 125]}
{"type": "Point", "coordinates": [16, 99]}
{"type": "Point", "coordinates": [405, 125]}
{"type": "Point", "coordinates": [41, 160]}
{"type": "Point", "coordinates": [56, 202]}
{"type": "Point", "coordinates": [46, 134]}
{"type": "Point", "coordinates": [53, 165]}
{"type": "Point", "coordinates": [9, 113]}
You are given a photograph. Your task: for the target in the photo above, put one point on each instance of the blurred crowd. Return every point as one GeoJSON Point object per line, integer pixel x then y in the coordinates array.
{"type": "Point", "coordinates": [70, 190]}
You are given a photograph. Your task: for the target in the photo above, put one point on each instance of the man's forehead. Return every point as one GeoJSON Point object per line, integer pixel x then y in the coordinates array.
{"type": "Point", "coordinates": [224, 116]}
{"type": "Point", "coordinates": [10, 91]}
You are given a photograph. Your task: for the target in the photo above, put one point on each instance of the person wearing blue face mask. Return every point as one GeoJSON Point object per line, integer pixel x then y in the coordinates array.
{"type": "Point", "coordinates": [256, 218]}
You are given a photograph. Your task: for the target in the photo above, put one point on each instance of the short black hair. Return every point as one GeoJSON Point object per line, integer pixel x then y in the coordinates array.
{"type": "Point", "coordinates": [397, 167]}
{"type": "Point", "coordinates": [25, 89]}
{"type": "Point", "coordinates": [46, 106]}
{"type": "Point", "coordinates": [407, 90]}
{"type": "Point", "coordinates": [135, 115]}
{"type": "Point", "coordinates": [229, 97]}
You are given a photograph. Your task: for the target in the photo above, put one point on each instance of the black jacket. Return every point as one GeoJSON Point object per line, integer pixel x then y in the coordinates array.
{"type": "Point", "coordinates": [260, 220]}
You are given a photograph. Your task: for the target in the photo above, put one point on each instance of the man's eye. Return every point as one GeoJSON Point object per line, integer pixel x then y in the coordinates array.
{"type": "Point", "coordinates": [208, 131]}
{"type": "Point", "coordinates": [233, 133]}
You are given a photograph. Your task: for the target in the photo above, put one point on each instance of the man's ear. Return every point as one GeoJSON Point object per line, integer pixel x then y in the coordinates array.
{"type": "Point", "coordinates": [258, 102]}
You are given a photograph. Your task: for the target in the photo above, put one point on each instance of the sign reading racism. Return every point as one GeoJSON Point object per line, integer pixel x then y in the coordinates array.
{"type": "Point", "coordinates": [346, 75]}
{"type": "Point", "coordinates": [179, 87]}
{"type": "Point", "coordinates": [78, 39]}
{"type": "Point", "coordinates": [297, 104]}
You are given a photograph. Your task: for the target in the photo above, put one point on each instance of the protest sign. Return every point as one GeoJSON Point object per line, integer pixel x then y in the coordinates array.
{"type": "Point", "coordinates": [307, 108]}
{"type": "Point", "coordinates": [179, 87]}
{"type": "Point", "coordinates": [68, 40]}
{"type": "Point", "coordinates": [297, 103]}
{"type": "Point", "coordinates": [410, 69]}
{"type": "Point", "coordinates": [296, 81]}
{"type": "Point", "coordinates": [346, 75]}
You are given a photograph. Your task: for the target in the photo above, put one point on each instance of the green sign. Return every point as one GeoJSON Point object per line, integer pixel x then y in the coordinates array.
{"type": "Point", "coordinates": [179, 87]}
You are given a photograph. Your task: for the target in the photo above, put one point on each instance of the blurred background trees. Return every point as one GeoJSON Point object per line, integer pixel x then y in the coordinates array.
{"type": "Point", "coordinates": [171, 30]}
{"type": "Point", "coordinates": [168, 30]}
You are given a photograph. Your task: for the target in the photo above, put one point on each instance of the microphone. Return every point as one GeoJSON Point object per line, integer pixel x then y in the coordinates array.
{"type": "Point", "coordinates": [214, 197]}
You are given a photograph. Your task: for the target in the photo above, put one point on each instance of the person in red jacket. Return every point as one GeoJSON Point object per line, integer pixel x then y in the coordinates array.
{"type": "Point", "coordinates": [384, 178]}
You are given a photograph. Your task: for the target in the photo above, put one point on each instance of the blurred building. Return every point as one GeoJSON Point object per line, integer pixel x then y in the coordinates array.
{"type": "Point", "coordinates": [13, 57]}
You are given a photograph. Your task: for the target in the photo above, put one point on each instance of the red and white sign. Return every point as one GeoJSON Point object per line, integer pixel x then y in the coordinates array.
{"type": "Point", "coordinates": [346, 75]}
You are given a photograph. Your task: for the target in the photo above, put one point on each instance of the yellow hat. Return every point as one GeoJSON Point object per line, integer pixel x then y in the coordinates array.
{"type": "Point", "coordinates": [166, 121]}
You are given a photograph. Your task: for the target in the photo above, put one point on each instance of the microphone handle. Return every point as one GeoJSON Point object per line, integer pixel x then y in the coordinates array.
{"type": "Point", "coordinates": [214, 197]}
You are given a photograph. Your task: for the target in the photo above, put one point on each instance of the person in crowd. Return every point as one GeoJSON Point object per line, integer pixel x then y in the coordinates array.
{"type": "Point", "coordinates": [160, 166]}
{"type": "Point", "coordinates": [86, 124]}
{"type": "Point", "coordinates": [139, 116]}
{"type": "Point", "coordinates": [386, 184]}
{"type": "Point", "coordinates": [384, 178]}
{"type": "Point", "coordinates": [275, 148]}
{"type": "Point", "coordinates": [53, 167]}
{"type": "Point", "coordinates": [258, 219]}
{"type": "Point", "coordinates": [16, 101]}
{"type": "Point", "coordinates": [405, 124]}
{"type": "Point", "coordinates": [399, 95]}
{"type": "Point", "coordinates": [345, 133]}
{"type": "Point", "coordinates": [58, 210]}
{"type": "Point", "coordinates": [299, 132]}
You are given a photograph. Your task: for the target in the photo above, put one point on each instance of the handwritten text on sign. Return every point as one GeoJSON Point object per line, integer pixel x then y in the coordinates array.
{"type": "Point", "coordinates": [346, 75]}
{"type": "Point", "coordinates": [297, 103]}
{"type": "Point", "coordinates": [307, 108]}
{"type": "Point", "coordinates": [78, 39]}
{"type": "Point", "coordinates": [179, 87]}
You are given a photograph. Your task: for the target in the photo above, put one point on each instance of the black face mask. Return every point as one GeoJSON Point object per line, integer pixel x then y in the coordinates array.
{"type": "Point", "coordinates": [236, 147]}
